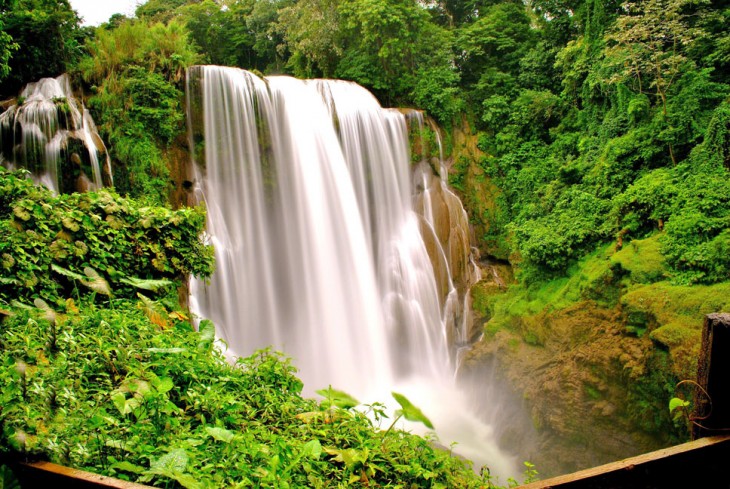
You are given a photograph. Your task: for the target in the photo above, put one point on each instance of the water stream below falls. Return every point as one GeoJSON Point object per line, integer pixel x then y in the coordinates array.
{"type": "Point", "coordinates": [332, 247]}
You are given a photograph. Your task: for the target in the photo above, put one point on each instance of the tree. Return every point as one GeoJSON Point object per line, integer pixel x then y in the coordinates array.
{"type": "Point", "coordinates": [48, 38]}
{"type": "Point", "coordinates": [648, 44]}
{"type": "Point", "coordinates": [312, 32]}
{"type": "Point", "coordinates": [7, 45]}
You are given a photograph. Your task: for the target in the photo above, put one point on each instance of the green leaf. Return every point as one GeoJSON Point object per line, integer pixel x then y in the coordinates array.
{"type": "Point", "coordinates": [50, 314]}
{"type": "Point", "coordinates": [220, 434]}
{"type": "Point", "coordinates": [165, 385]}
{"type": "Point", "coordinates": [145, 284]}
{"type": "Point", "coordinates": [174, 461]}
{"type": "Point", "coordinates": [676, 403]}
{"type": "Point", "coordinates": [187, 481]}
{"type": "Point", "coordinates": [7, 478]}
{"type": "Point", "coordinates": [128, 467]}
{"type": "Point", "coordinates": [120, 402]}
{"type": "Point", "coordinates": [167, 350]}
{"type": "Point", "coordinates": [341, 399]}
{"type": "Point", "coordinates": [411, 412]}
{"type": "Point", "coordinates": [349, 456]}
{"type": "Point", "coordinates": [67, 273]}
{"type": "Point", "coordinates": [312, 449]}
{"type": "Point", "coordinates": [206, 330]}
{"type": "Point", "coordinates": [96, 282]}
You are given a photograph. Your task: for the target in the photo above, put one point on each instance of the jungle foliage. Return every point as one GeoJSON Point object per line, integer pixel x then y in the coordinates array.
{"type": "Point", "coordinates": [102, 369]}
{"type": "Point", "coordinates": [56, 247]}
{"type": "Point", "coordinates": [598, 120]}
{"type": "Point", "coordinates": [604, 126]}
{"type": "Point", "coordinates": [134, 392]}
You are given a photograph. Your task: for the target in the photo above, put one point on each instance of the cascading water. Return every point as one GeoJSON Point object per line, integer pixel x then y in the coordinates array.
{"type": "Point", "coordinates": [319, 251]}
{"type": "Point", "coordinates": [52, 135]}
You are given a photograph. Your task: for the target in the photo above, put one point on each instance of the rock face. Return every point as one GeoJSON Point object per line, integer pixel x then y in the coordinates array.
{"type": "Point", "coordinates": [577, 381]}
{"type": "Point", "coordinates": [47, 131]}
{"type": "Point", "coordinates": [593, 366]}
{"type": "Point", "coordinates": [446, 231]}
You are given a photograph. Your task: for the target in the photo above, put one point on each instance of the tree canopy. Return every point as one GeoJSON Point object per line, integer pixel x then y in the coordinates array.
{"type": "Point", "coordinates": [581, 107]}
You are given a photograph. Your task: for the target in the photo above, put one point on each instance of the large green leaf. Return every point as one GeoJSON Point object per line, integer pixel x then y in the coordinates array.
{"type": "Point", "coordinates": [7, 478]}
{"type": "Point", "coordinates": [341, 399]}
{"type": "Point", "coordinates": [220, 434]}
{"type": "Point", "coordinates": [312, 449]}
{"type": "Point", "coordinates": [127, 467]}
{"type": "Point", "coordinates": [676, 403]}
{"type": "Point", "coordinates": [207, 334]}
{"type": "Point", "coordinates": [411, 412]}
{"type": "Point", "coordinates": [349, 456]}
{"type": "Point", "coordinates": [96, 282]}
{"type": "Point", "coordinates": [145, 284]}
{"type": "Point", "coordinates": [67, 273]}
{"type": "Point", "coordinates": [174, 461]}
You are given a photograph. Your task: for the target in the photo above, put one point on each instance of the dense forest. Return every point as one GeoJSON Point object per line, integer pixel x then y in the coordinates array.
{"type": "Point", "coordinates": [588, 139]}
{"type": "Point", "coordinates": [598, 121]}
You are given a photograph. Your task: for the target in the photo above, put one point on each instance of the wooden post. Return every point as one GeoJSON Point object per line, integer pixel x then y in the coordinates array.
{"type": "Point", "coordinates": [712, 407]}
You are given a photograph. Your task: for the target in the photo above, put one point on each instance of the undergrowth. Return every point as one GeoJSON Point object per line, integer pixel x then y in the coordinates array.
{"type": "Point", "coordinates": [113, 392]}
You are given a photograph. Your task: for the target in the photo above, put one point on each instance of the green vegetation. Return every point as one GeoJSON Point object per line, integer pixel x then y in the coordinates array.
{"type": "Point", "coordinates": [590, 142]}
{"type": "Point", "coordinates": [111, 391]}
{"type": "Point", "coordinates": [98, 359]}
{"type": "Point", "coordinates": [136, 74]}
{"type": "Point", "coordinates": [50, 242]}
{"type": "Point", "coordinates": [37, 38]}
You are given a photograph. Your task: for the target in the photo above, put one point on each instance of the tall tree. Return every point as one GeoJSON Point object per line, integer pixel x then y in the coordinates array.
{"type": "Point", "coordinates": [7, 45]}
{"type": "Point", "coordinates": [649, 43]}
{"type": "Point", "coordinates": [48, 36]}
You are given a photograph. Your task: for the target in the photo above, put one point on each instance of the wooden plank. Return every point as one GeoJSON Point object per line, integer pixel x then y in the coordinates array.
{"type": "Point", "coordinates": [38, 474]}
{"type": "Point", "coordinates": [712, 398]}
{"type": "Point", "coordinates": [676, 466]}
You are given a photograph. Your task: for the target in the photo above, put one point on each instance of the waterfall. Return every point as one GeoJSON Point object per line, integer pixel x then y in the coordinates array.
{"type": "Point", "coordinates": [50, 133]}
{"type": "Point", "coordinates": [326, 241]}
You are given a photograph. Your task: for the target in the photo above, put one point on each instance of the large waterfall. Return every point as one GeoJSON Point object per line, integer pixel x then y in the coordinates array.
{"type": "Point", "coordinates": [50, 133]}
{"type": "Point", "coordinates": [320, 252]}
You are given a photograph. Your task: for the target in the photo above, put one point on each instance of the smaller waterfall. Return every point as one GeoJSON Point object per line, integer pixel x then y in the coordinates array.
{"type": "Point", "coordinates": [50, 133]}
{"type": "Point", "coordinates": [446, 230]}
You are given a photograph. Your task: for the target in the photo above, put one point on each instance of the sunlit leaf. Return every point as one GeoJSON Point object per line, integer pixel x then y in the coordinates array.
{"type": "Point", "coordinates": [96, 282]}
{"type": "Point", "coordinates": [167, 350]}
{"type": "Point", "coordinates": [128, 467]}
{"type": "Point", "coordinates": [341, 399]}
{"type": "Point", "coordinates": [220, 434]}
{"type": "Point", "coordinates": [49, 314]}
{"type": "Point", "coordinates": [67, 273]}
{"type": "Point", "coordinates": [311, 416]}
{"type": "Point", "coordinates": [676, 403]}
{"type": "Point", "coordinates": [165, 385]}
{"type": "Point", "coordinates": [411, 412]}
{"type": "Point", "coordinates": [154, 311]}
{"type": "Point", "coordinates": [174, 461]}
{"type": "Point", "coordinates": [349, 456]}
{"type": "Point", "coordinates": [145, 284]}
{"type": "Point", "coordinates": [206, 330]}
{"type": "Point", "coordinates": [312, 449]}
{"type": "Point", "coordinates": [120, 402]}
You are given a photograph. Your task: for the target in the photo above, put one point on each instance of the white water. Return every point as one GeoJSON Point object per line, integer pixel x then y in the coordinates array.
{"type": "Point", "coordinates": [319, 250]}
{"type": "Point", "coordinates": [35, 134]}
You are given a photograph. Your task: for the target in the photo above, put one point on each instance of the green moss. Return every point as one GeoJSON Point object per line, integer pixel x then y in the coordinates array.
{"type": "Point", "coordinates": [674, 334]}
{"type": "Point", "coordinates": [666, 302]}
{"type": "Point", "coordinates": [590, 279]}
{"type": "Point", "coordinates": [592, 392]}
{"type": "Point", "coordinates": [642, 260]}
{"type": "Point", "coordinates": [673, 315]}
